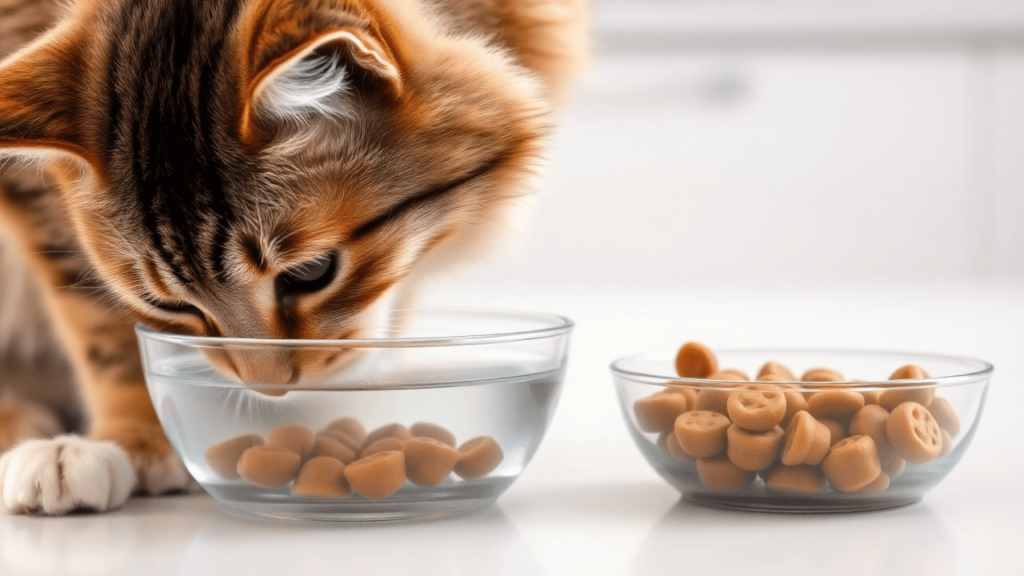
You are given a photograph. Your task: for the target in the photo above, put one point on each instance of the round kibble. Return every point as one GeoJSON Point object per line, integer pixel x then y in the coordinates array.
{"type": "Point", "coordinates": [894, 466]}
{"type": "Point", "coordinates": [914, 433]}
{"type": "Point", "coordinates": [871, 421]}
{"type": "Point", "coordinates": [719, 473]}
{"type": "Point", "coordinates": [736, 374]}
{"type": "Point", "coordinates": [776, 370]}
{"type": "Point", "coordinates": [713, 401]}
{"type": "Point", "coordinates": [890, 399]}
{"type": "Point", "coordinates": [223, 456]}
{"type": "Point", "coordinates": [347, 440]}
{"type": "Point", "coordinates": [947, 443]}
{"type": "Point", "coordinates": [428, 461]}
{"type": "Point", "coordinates": [796, 479]}
{"type": "Point", "coordinates": [821, 375]}
{"type": "Point", "coordinates": [695, 360]}
{"type": "Point", "coordinates": [945, 415]}
{"type": "Point", "coordinates": [269, 466]}
{"type": "Point", "coordinates": [871, 397]}
{"type": "Point", "coordinates": [327, 446]}
{"type": "Point", "coordinates": [753, 451]}
{"type": "Point", "coordinates": [852, 463]}
{"type": "Point", "coordinates": [839, 405]}
{"type": "Point", "coordinates": [387, 431]}
{"type": "Point", "coordinates": [383, 445]}
{"type": "Point", "coordinates": [377, 476]}
{"type": "Point", "coordinates": [428, 430]}
{"type": "Point", "coordinates": [689, 393]}
{"type": "Point", "coordinates": [757, 410]}
{"type": "Point", "coordinates": [674, 448]}
{"type": "Point", "coordinates": [836, 430]}
{"type": "Point", "coordinates": [322, 477]}
{"type": "Point", "coordinates": [349, 426]}
{"type": "Point", "coordinates": [294, 437]}
{"type": "Point", "coordinates": [795, 402]}
{"type": "Point", "coordinates": [807, 441]}
{"type": "Point", "coordinates": [701, 433]}
{"type": "Point", "coordinates": [878, 484]}
{"type": "Point", "coordinates": [658, 412]}
{"type": "Point", "coordinates": [478, 457]}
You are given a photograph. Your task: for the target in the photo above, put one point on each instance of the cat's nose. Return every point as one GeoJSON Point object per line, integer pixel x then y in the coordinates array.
{"type": "Point", "coordinates": [257, 368]}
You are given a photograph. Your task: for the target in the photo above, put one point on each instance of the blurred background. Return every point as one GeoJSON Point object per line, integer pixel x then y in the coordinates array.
{"type": "Point", "coordinates": [782, 141]}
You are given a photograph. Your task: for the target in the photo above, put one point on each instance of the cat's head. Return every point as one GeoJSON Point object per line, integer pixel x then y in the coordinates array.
{"type": "Point", "coordinates": [270, 168]}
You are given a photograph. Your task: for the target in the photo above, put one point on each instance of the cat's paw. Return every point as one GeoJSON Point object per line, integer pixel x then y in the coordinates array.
{"type": "Point", "coordinates": [67, 473]}
{"type": "Point", "coordinates": [157, 468]}
{"type": "Point", "coordinates": [21, 420]}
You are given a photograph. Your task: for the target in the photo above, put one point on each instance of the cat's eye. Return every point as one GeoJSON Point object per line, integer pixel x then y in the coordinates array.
{"type": "Point", "coordinates": [175, 307]}
{"type": "Point", "coordinates": [310, 277]}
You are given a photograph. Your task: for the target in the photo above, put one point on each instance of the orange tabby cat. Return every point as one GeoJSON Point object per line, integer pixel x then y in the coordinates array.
{"type": "Point", "coordinates": [243, 168]}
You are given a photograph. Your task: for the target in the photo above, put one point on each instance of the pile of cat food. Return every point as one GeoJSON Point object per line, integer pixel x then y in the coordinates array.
{"type": "Point", "coordinates": [799, 442]}
{"type": "Point", "coordinates": [342, 458]}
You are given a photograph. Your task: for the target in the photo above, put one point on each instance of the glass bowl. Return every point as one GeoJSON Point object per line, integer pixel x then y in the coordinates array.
{"type": "Point", "coordinates": [962, 382]}
{"type": "Point", "coordinates": [474, 373]}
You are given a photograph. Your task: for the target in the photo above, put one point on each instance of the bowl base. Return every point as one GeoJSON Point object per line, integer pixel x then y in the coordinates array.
{"type": "Point", "coordinates": [777, 505]}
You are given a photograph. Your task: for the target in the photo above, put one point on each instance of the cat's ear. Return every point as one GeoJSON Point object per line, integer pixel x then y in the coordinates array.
{"type": "Point", "coordinates": [293, 76]}
{"type": "Point", "coordinates": [40, 100]}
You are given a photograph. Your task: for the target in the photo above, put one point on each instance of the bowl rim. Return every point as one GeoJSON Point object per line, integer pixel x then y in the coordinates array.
{"type": "Point", "coordinates": [559, 325]}
{"type": "Point", "coordinates": [865, 385]}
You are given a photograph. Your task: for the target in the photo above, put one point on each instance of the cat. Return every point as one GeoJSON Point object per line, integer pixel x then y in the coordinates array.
{"type": "Point", "coordinates": [238, 168]}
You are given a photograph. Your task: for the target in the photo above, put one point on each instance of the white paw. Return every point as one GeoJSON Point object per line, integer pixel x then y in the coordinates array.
{"type": "Point", "coordinates": [67, 473]}
{"type": "Point", "coordinates": [162, 474]}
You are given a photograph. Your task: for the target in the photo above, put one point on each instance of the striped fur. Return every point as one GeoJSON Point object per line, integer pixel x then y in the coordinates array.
{"type": "Point", "coordinates": [197, 151]}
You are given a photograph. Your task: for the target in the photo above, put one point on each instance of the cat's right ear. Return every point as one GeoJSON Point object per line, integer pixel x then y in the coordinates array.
{"type": "Point", "coordinates": [40, 97]}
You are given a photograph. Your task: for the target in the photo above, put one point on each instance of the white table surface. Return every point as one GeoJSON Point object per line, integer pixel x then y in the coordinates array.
{"type": "Point", "coordinates": [589, 504]}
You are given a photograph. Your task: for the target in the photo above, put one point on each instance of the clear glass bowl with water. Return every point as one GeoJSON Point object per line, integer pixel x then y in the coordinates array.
{"type": "Point", "coordinates": [963, 382]}
{"type": "Point", "coordinates": [475, 373]}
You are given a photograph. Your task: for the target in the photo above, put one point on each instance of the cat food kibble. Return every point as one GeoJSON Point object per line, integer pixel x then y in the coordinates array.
{"type": "Point", "coordinates": [713, 401]}
{"type": "Point", "coordinates": [428, 430]}
{"type": "Point", "coordinates": [871, 421]}
{"type": "Point", "coordinates": [944, 414]}
{"type": "Point", "coordinates": [674, 448]}
{"type": "Point", "coordinates": [478, 457]}
{"type": "Point", "coordinates": [836, 431]}
{"type": "Point", "coordinates": [838, 405]}
{"type": "Point", "coordinates": [657, 413]}
{"type": "Point", "coordinates": [719, 473]}
{"type": "Point", "coordinates": [807, 441]}
{"type": "Point", "coordinates": [294, 437]}
{"type": "Point", "coordinates": [753, 451]}
{"type": "Point", "coordinates": [914, 433]}
{"type": "Point", "coordinates": [796, 479]}
{"type": "Point", "coordinates": [350, 427]}
{"type": "Point", "coordinates": [397, 431]}
{"type": "Point", "coordinates": [878, 484]}
{"type": "Point", "coordinates": [269, 466]}
{"type": "Point", "coordinates": [757, 409]}
{"type": "Point", "coordinates": [776, 370]}
{"type": "Point", "coordinates": [347, 440]}
{"type": "Point", "coordinates": [695, 360]}
{"type": "Point", "coordinates": [821, 375]}
{"type": "Point", "coordinates": [382, 445]}
{"type": "Point", "coordinates": [377, 476]}
{"type": "Point", "coordinates": [795, 402]}
{"type": "Point", "coordinates": [894, 466]}
{"type": "Point", "coordinates": [322, 477]}
{"type": "Point", "coordinates": [223, 457]}
{"type": "Point", "coordinates": [429, 461]}
{"type": "Point", "coordinates": [947, 443]}
{"type": "Point", "coordinates": [852, 463]}
{"type": "Point", "coordinates": [730, 374]}
{"type": "Point", "coordinates": [327, 446]}
{"type": "Point", "coordinates": [701, 433]}
{"type": "Point", "coordinates": [890, 399]}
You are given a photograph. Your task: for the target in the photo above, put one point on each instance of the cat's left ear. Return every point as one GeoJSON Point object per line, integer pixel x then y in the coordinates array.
{"type": "Point", "coordinates": [293, 79]}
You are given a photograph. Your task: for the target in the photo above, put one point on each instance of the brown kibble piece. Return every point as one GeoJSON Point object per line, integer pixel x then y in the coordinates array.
{"type": "Point", "coordinates": [836, 430]}
{"type": "Point", "coordinates": [323, 477]}
{"type": "Point", "coordinates": [429, 461]}
{"type": "Point", "coordinates": [871, 397]}
{"type": "Point", "coordinates": [821, 375]}
{"type": "Point", "coordinates": [377, 476]}
{"type": "Point", "coordinates": [674, 448]}
{"type": "Point", "coordinates": [689, 393]}
{"type": "Point", "coordinates": [713, 400]}
{"type": "Point", "coordinates": [839, 405]}
{"type": "Point", "coordinates": [776, 370]}
{"type": "Point", "coordinates": [894, 466]}
{"type": "Point", "coordinates": [269, 466]}
{"type": "Point", "coordinates": [757, 410]}
{"type": "Point", "coordinates": [852, 463]}
{"type": "Point", "coordinates": [753, 451]}
{"type": "Point", "coordinates": [327, 446]}
{"type": "Point", "coordinates": [478, 457]}
{"type": "Point", "coordinates": [223, 456]}
{"type": "Point", "coordinates": [890, 399]}
{"type": "Point", "coordinates": [796, 479]}
{"type": "Point", "coordinates": [383, 445]}
{"type": "Point", "coordinates": [736, 374]}
{"type": "Point", "coordinates": [348, 441]}
{"type": "Point", "coordinates": [695, 360]}
{"type": "Point", "coordinates": [947, 443]}
{"type": "Point", "coordinates": [719, 473]}
{"type": "Point", "coordinates": [795, 402]}
{"type": "Point", "coordinates": [871, 421]}
{"type": "Point", "coordinates": [945, 415]}
{"type": "Point", "coordinates": [701, 433]}
{"type": "Point", "coordinates": [807, 441]}
{"type": "Point", "coordinates": [387, 431]}
{"type": "Point", "coordinates": [428, 430]}
{"type": "Point", "coordinates": [878, 484]}
{"type": "Point", "coordinates": [914, 433]}
{"type": "Point", "coordinates": [294, 437]}
{"type": "Point", "coordinates": [658, 412]}
{"type": "Point", "coordinates": [348, 426]}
